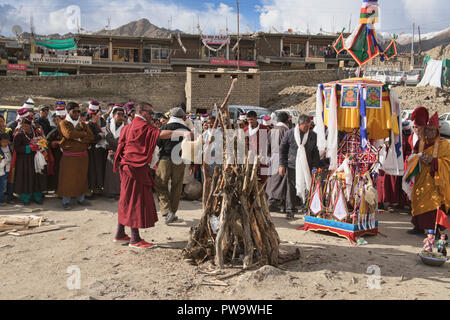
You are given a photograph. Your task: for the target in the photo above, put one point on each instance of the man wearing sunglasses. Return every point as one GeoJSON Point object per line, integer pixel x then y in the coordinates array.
{"type": "Point", "coordinates": [73, 171]}
{"type": "Point", "coordinates": [135, 151]}
{"type": "Point", "coordinates": [43, 119]}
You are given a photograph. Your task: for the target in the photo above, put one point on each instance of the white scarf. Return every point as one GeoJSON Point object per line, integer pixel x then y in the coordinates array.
{"type": "Point", "coordinates": [320, 126]}
{"type": "Point", "coordinates": [302, 172]}
{"type": "Point", "coordinates": [177, 120]}
{"type": "Point", "coordinates": [74, 122]}
{"type": "Point", "coordinates": [415, 139]}
{"type": "Point", "coordinates": [332, 140]}
{"type": "Point", "coordinates": [281, 124]}
{"type": "Point", "coordinates": [253, 131]}
{"type": "Point", "coordinates": [139, 116]}
{"type": "Point", "coordinates": [115, 131]}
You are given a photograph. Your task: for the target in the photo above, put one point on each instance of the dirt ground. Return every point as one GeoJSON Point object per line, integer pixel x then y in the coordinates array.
{"type": "Point", "coordinates": [35, 266]}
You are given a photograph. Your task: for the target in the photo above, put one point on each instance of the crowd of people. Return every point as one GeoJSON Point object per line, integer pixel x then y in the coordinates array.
{"type": "Point", "coordinates": [127, 153]}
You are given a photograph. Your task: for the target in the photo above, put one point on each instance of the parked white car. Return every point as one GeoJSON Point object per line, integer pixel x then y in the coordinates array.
{"type": "Point", "coordinates": [379, 75]}
{"type": "Point", "coordinates": [397, 77]}
{"type": "Point", "coordinates": [444, 124]}
{"type": "Point", "coordinates": [413, 77]}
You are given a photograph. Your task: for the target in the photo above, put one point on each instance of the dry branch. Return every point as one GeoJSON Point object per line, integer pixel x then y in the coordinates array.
{"type": "Point", "coordinates": [246, 232]}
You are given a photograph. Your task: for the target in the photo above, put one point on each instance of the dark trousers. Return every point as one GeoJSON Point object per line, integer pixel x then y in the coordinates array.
{"type": "Point", "coordinates": [291, 192]}
{"type": "Point", "coordinates": [5, 187]}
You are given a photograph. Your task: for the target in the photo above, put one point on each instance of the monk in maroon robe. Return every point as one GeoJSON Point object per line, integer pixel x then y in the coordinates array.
{"type": "Point", "coordinates": [134, 153]}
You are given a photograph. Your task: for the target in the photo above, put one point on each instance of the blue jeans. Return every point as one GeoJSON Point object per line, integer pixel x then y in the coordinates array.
{"type": "Point", "coordinates": [66, 200]}
{"type": "Point", "coordinates": [7, 187]}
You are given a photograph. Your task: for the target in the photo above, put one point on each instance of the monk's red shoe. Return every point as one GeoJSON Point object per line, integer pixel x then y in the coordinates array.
{"type": "Point", "coordinates": [122, 240]}
{"type": "Point", "coordinates": [142, 244]}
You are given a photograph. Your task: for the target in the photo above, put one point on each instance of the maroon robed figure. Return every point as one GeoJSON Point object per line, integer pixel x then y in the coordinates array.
{"type": "Point", "coordinates": [134, 153]}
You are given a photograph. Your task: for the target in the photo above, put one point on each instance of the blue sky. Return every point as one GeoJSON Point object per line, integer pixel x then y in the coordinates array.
{"type": "Point", "coordinates": [59, 16]}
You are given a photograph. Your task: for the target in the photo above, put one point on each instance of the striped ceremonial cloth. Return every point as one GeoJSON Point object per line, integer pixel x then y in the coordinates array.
{"type": "Point", "coordinates": [369, 12]}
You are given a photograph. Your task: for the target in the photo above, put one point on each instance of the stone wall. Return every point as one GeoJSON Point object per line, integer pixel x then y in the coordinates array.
{"type": "Point", "coordinates": [273, 82]}
{"type": "Point", "coordinates": [164, 90]}
{"type": "Point", "coordinates": [204, 88]}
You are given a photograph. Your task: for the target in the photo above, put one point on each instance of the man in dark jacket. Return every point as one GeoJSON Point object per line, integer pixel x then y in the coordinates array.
{"type": "Point", "coordinates": [42, 120]}
{"type": "Point", "coordinates": [276, 184]}
{"type": "Point", "coordinates": [169, 168]}
{"type": "Point", "coordinates": [292, 165]}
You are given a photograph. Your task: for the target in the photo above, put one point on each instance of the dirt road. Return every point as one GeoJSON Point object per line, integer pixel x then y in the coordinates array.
{"type": "Point", "coordinates": [35, 266]}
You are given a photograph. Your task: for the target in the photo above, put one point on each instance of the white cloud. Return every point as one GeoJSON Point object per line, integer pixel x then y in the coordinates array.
{"type": "Point", "coordinates": [49, 17]}
{"type": "Point", "coordinates": [331, 15]}
{"type": "Point", "coordinates": [303, 15]}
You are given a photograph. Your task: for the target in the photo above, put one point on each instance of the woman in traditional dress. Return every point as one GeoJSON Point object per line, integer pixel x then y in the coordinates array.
{"type": "Point", "coordinates": [27, 182]}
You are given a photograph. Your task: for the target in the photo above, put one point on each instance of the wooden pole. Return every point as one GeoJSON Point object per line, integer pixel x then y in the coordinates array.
{"type": "Point", "coordinates": [238, 50]}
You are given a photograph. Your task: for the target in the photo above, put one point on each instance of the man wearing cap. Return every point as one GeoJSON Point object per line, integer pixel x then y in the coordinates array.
{"type": "Point", "coordinates": [97, 149]}
{"type": "Point", "coordinates": [130, 111]}
{"type": "Point", "coordinates": [112, 179]}
{"type": "Point", "coordinates": [242, 121]}
{"type": "Point", "coordinates": [257, 142]}
{"type": "Point", "coordinates": [53, 139]}
{"type": "Point", "coordinates": [29, 105]}
{"type": "Point", "coordinates": [171, 167]}
{"type": "Point", "coordinates": [267, 121]}
{"type": "Point", "coordinates": [42, 120]}
{"type": "Point", "coordinates": [27, 182]}
{"type": "Point", "coordinates": [420, 117]}
{"type": "Point", "coordinates": [73, 171]}
{"type": "Point", "coordinates": [431, 188]}
{"type": "Point", "coordinates": [137, 143]}
{"type": "Point", "coordinates": [276, 184]}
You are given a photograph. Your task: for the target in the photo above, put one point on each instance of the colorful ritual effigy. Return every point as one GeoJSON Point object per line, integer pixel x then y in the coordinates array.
{"type": "Point", "coordinates": [351, 114]}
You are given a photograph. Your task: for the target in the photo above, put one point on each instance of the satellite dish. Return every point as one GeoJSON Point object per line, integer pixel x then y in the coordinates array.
{"type": "Point", "coordinates": [17, 30]}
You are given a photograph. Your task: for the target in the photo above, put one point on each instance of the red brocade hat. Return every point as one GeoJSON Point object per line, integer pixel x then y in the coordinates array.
{"type": "Point", "coordinates": [420, 116]}
{"type": "Point", "coordinates": [434, 121]}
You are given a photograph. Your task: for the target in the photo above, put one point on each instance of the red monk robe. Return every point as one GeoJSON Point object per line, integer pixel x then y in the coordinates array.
{"type": "Point", "coordinates": [136, 146]}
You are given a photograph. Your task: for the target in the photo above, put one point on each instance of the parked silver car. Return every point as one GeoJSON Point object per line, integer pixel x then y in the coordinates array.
{"type": "Point", "coordinates": [235, 110]}
{"type": "Point", "coordinates": [413, 77]}
{"type": "Point", "coordinates": [444, 124]}
{"type": "Point", "coordinates": [397, 77]}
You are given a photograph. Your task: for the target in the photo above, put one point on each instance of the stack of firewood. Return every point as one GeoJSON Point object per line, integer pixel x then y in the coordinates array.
{"type": "Point", "coordinates": [236, 224]}
{"type": "Point", "coordinates": [11, 223]}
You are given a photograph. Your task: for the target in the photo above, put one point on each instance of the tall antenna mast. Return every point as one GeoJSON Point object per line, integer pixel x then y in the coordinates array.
{"type": "Point", "coordinates": [31, 25]}
{"type": "Point", "coordinates": [350, 24]}
{"type": "Point", "coordinates": [420, 40]}
{"type": "Point", "coordinates": [109, 25]}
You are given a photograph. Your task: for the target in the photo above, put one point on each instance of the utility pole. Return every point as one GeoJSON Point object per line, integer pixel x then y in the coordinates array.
{"type": "Point", "coordinates": [420, 41]}
{"type": "Point", "coordinates": [350, 24]}
{"type": "Point", "coordinates": [412, 46]}
{"type": "Point", "coordinates": [238, 50]}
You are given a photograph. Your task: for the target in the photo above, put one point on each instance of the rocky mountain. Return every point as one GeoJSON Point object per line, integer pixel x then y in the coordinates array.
{"type": "Point", "coordinates": [429, 40]}
{"type": "Point", "coordinates": [140, 28]}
